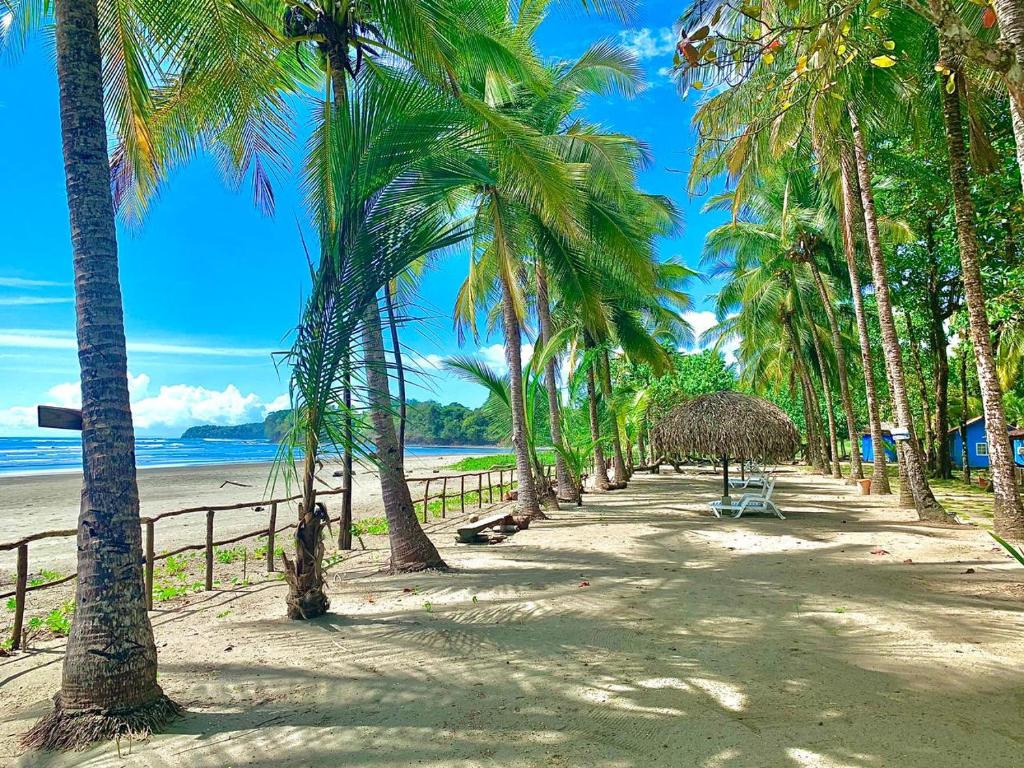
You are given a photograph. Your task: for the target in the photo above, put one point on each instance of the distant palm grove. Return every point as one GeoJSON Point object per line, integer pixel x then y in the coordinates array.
{"type": "Point", "coordinates": [862, 160]}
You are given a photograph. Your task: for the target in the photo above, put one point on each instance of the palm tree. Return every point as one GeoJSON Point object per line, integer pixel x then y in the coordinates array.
{"type": "Point", "coordinates": [109, 684]}
{"type": "Point", "coordinates": [1009, 512]}
{"type": "Point", "coordinates": [928, 507]}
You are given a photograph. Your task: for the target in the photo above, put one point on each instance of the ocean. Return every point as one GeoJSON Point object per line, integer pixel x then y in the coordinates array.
{"type": "Point", "coordinates": [39, 455]}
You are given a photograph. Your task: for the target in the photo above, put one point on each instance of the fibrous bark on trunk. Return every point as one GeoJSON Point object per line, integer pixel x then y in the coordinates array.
{"type": "Point", "coordinates": [411, 549]}
{"type": "Point", "coordinates": [109, 686]}
{"type": "Point", "coordinates": [851, 211]}
{"type": "Point", "coordinates": [528, 499]}
{"type": "Point", "coordinates": [563, 477]}
{"type": "Point", "coordinates": [600, 481]}
{"type": "Point", "coordinates": [928, 507]}
{"type": "Point", "coordinates": [618, 462]}
{"type": "Point", "coordinates": [1009, 512]}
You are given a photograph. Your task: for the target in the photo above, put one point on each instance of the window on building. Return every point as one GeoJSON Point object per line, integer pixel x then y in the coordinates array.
{"type": "Point", "coordinates": [981, 449]}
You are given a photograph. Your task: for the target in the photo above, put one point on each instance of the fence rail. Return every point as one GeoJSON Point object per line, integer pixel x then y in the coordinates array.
{"type": "Point", "coordinates": [22, 587]}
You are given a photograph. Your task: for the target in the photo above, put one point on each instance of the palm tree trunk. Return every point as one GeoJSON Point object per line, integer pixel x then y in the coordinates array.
{"type": "Point", "coordinates": [109, 684]}
{"type": "Point", "coordinates": [922, 390]}
{"type": "Point", "coordinates": [1010, 15]}
{"type": "Point", "coordinates": [529, 502]}
{"type": "Point", "coordinates": [815, 433]}
{"type": "Point", "coordinates": [851, 206]}
{"type": "Point", "coordinates": [399, 367]}
{"type": "Point", "coordinates": [1009, 512]}
{"type": "Point", "coordinates": [928, 507]}
{"type": "Point", "coordinates": [641, 446]}
{"type": "Point", "coordinates": [833, 439]}
{"type": "Point", "coordinates": [411, 549]}
{"type": "Point", "coordinates": [563, 477]}
{"type": "Point", "coordinates": [856, 469]}
{"type": "Point", "coordinates": [618, 463]}
{"type": "Point", "coordinates": [345, 524]}
{"type": "Point", "coordinates": [306, 598]}
{"type": "Point", "coordinates": [600, 481]}
{"type": "Point", "coordinates": [965, 456]}
{"type": "Point", "coordinates": [939, 342]}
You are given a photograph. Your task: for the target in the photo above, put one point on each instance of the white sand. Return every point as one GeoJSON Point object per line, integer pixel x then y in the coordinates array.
{"type": "Point", "coordinates": [697, 642]}
{"type": "Point", "coordinates": [45, 502]}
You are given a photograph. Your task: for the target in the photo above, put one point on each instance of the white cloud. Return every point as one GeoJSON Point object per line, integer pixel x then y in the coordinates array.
{"type": "Point", "coordinates": [703, 321]}
{"type": "Point", "coordinates": [494, 356]}
{"type": "Point", "coordinates": [279, 403]}
{"type": "Point", "coordinates": [420, 362]}
{"type": "Point", "coordinates": [21, 282]}
{"type": "Point", "coordinates": [28, 301]}
{"type": "Point", "coordinates": [42, 339]}
{"type": "Point", "coordinates": [175, 406]}
{"type": "Point", "coordinates": [647, 43]}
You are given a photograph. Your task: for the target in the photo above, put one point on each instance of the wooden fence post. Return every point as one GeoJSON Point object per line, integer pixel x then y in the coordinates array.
{"type": "Point", "coordinates": [150, 557]}
{"type": "Point", "coordinates": [462, 493]}
{"type": "Point", "coordinates": [444, 497]}
{"type": "Point", "coordinates": [21, 581]}
{"type": "Point", "coordinates": [209, 549]}
{"type": "Point", "coordinates": [501, 485]}
{"type": "Point", "coordinates": [270, 537]}
{"type": "Point", "coordinates": [490, 489]}
{"type": "Point", "coordinates": [426, 499]}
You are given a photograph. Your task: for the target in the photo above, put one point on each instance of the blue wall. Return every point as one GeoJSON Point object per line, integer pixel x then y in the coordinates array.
{"type": "Point", "coordinates": [867, 451]}
{"type": "Point", "coordinates": [1018, 451]}
{"type": "Point", "coordinates": [975, 437]}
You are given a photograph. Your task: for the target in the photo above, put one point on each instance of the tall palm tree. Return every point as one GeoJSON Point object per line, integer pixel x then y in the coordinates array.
{"type": "Point", "coordinates": [928, 507]}
{"type": "Point", "coordinates": [1009, 512]}
{"type": "Point", "coordinates": [109, 683]}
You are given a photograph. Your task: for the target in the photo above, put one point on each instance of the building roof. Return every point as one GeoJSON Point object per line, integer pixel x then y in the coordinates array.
{"type": "Point", "coordinates": [1012, 428]}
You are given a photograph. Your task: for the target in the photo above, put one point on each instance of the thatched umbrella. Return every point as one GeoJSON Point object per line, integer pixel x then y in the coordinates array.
{"type": "Point", "coordinates": [725, 424]}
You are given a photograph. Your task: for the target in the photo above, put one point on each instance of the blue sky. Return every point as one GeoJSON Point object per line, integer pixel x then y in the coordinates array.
{"type": "Point", "coordinates": [211, 287]}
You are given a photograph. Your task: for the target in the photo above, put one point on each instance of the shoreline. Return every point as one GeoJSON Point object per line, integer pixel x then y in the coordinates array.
{"type": "Point", "coordinates": [32, 503]}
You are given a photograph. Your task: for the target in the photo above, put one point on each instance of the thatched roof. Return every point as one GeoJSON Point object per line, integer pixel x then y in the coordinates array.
{"type": "Point", "coordinates": [730, 424]}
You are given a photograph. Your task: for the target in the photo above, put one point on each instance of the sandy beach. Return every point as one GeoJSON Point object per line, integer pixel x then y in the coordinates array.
{"type": "Point", "coordinates": [43, 502]}
{"type": "Point", "coordinates": [634, 632]}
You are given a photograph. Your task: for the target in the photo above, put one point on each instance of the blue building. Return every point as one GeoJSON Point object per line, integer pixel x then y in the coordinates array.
{"type": "Point", "coordinates": [867, 450]}
{"type": "Point", "coordinates": [977, 445]}
{"type": "Point", "coordinates": [1017, 441]}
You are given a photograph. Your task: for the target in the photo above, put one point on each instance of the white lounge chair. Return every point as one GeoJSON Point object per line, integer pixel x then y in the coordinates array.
{"type": "Point", "coordinates": [753, 480]}
{"type": "Point", "coordinates": [750, 502]}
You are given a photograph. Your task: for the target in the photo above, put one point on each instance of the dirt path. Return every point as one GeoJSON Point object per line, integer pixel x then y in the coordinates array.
{"type": "Point", "coordinates": [635, 632]}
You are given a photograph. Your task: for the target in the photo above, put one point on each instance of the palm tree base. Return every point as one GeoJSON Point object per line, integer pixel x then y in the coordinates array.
{"type": "Point", "coordinates": [1008, 525]}
{"type": "Point", "coordinates": [65, 730]}
{"type": "Point", "coordinates": [417, 567]}
{"type": "Point", "coordinates": [307, 605]}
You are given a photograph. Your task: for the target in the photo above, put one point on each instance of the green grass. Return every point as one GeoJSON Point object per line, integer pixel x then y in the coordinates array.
{"type": "Point", "coordinates": [261, 551]}
{"type": "Point", "coordinates": [232, 554]}
{"type": "Point", "coordinates": [496, 461]}
{"type": "Point", "coordinates": [371, 526]}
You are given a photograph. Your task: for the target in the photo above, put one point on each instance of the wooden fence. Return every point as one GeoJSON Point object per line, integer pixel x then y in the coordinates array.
{"type": "Point", "coordinates": [506, 480]}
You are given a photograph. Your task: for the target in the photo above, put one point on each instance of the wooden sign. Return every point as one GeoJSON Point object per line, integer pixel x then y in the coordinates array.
{"type": "Point", "coordinates": [59, 418]}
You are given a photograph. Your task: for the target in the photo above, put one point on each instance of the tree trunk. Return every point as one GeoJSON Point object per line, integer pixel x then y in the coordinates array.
{"type": "Point", "coordinates": [922, 392]}
{"type": "Point", "coordinates": [833, 439]}
{"type": "Point", "coordinates": [1009, 513]}
{"type": "Point", "coordinates": [937, 331]}
{"type": "Point", "coordinates": [345, 524]}
{"type": "Point", "coordinates": [851, 206]}
{"type": "Point", "coordinates": [399, 367]}
{"type": "Point", "coordinates": [815, 433]}
{"type": "Point", "coordinates": [641, 446]}
{"type": "Point", "coordinates": [856, 470]}
{"type": "Point", "coordinates": [109, 684]}
{"type": "Point", "coordinates": [411, 549]}
{"type": "Point", "coordinates": [529, 501]}
{"type": "Point", "coordinates": [306, 598]}
{"type": "Point", "coordinates": [566, 487]}
{"type": "Point", "coordinates": [1010, 15]}
{"type": "Point", "coordinates": [928, 507]}
{"type": "Point", "coordinates": [965, 456]}
{"type": "Point", "coordinates": [906, 494]}
{"type": "Point", "coordinates": [600, 481]}
{"type": "Point", "coordinates": [618, 463]}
